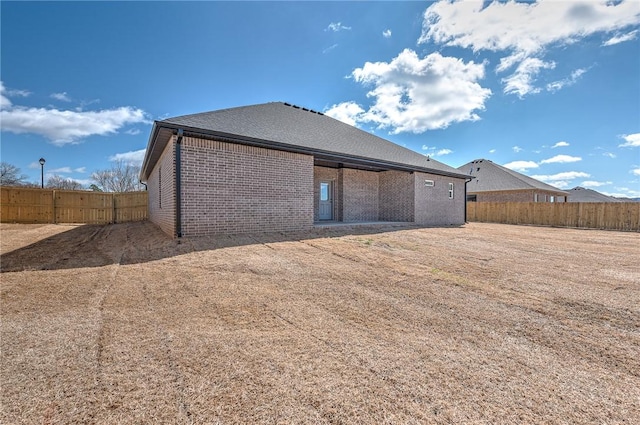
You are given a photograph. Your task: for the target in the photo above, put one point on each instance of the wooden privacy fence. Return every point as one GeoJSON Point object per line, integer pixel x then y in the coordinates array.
{"type": "Point", "coordinates": [594, 215]}
{"type": "Point", "coordinates": [27, 205]}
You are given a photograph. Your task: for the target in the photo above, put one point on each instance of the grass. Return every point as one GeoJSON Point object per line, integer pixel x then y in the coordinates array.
{"type": "Point", "coordinates": [485, 323]}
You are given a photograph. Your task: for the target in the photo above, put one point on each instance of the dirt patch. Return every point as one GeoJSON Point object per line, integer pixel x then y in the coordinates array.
{"type": "Point", "coordinates": [485, 323]}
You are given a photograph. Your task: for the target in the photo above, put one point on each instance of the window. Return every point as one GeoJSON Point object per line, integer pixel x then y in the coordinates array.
{"type": "Point", "coordinates": [159, 187]}
{"type": "Point", "coordinates": [429, 183]}
{"type": "Point", "coordinates": [535, 197]}
{"type": "Point", "coordinates": [552, 199]}
{"type": "Point", "coordinates": [324, 191]}
{"type": "Point", "coordinates": [450, 190]}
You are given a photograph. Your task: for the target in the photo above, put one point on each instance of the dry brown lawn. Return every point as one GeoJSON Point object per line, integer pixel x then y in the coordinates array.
{"type": "Point", "coordinates": [485, 323]}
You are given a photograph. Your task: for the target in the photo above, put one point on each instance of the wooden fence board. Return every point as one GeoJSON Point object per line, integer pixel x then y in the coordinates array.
{"type": "Point", "coordinates": [594, 215]}
{"type": "Point", "coordinates": [27, 205]}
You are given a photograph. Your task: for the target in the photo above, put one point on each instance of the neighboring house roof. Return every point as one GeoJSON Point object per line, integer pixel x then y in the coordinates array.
{"type": "Point", "coordinates": [581, 194]}
{"type": "Point", "coordinates": [491, 177]}
{"type": "Point", "coordinates": [279, 125]}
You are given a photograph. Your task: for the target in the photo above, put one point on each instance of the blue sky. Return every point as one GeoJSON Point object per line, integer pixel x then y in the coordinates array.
{"type": "Point", "coordinates": [550, 89]}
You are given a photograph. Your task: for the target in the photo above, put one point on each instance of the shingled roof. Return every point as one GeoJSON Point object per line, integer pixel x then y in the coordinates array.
{"type": "Point", "coordinates": [491, 177]}
{"type": "Point", "coordinates": [283, 126]}
{"type": "Point", "coordinates": [581, 194]}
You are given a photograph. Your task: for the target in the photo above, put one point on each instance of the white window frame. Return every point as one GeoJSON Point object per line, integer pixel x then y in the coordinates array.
{"type": "Point", "coordinates": [451, 188]}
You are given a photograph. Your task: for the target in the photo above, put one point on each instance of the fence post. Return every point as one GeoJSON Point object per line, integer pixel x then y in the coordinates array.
{"type": "Point", "coordinates": [113, 206]}
{"type": "Point", "coordinates": [53, 206]}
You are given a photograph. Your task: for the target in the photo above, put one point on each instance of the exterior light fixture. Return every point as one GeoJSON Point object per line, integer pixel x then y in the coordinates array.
{"type": "Point", "coordinates": [42, 161]}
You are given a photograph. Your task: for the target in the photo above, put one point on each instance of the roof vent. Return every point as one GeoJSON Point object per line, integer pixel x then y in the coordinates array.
{"type": "Point", "coordinates": [296, 106]}
{"type": "Point", "coordinates": [287, 104]}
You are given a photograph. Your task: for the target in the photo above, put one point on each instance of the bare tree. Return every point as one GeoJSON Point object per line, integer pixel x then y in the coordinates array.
{"type": "Point", "coordinates": [121, 177]}
{"type": "Point", "coordinates": [10, 175]}
{"type": "Point", "coordinates": [59, 182]}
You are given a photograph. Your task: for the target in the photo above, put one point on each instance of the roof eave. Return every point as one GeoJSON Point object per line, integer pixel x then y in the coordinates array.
{"type": "Point", "coordinates": [148, 164]}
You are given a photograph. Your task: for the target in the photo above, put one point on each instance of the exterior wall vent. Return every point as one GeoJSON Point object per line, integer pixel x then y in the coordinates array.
{"type": "Point", "coordinates": [429, 183]}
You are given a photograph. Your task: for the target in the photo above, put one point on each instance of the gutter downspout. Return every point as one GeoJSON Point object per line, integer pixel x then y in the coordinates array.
{"type": "Point", "coordinates": [465, 198]}
{"type": "Point", "coordinates": [179, 185]}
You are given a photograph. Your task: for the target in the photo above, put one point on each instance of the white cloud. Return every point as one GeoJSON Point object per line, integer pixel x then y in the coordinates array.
{"type": "Point", "coordinates": [631, 140]}
{"type": "Point", "coordinates": [561, 159]}
{"type": "Point", "coordinates": [386, 33]}
{"type": "Point", "coordinates": [61, 96]}
{"type": "Point", "coordinates": [426, 148]}
{"type": "Point", "coordinates": [566, 82]}
{"type": "Point", "coordinates": [330, 48]}
{"type": "Point", "coordinates": [442, 152]}
{"type": "Point", "coordinates": [61, 170]}
{"type": "Point", "coordinates": [628, 193]}
{"type": "Point", "coordinates": [6, 93]}
{"type": "Point", "coordinates": [621, 38]}
{"type": "Point", "coordinates": [521, 165]}
{"type": "Point", "coordinates": [64, 127]}
{"type": "Point", "coordinates": [131, 157]}
{"type": "Point", "coordinates": [561, 180]}
{"type": "Point", "coordinates": [591, 183]}
{"type": "Point", "coordinates": [517, 149]}
{"type": "Point", "coordinates": [636, 171]}
{"type": "Point", "coordinates": [560, 145]}
{"type": "Point", "coordinates": [347, 112]}
{"type": "Point", "coordinates": [524, 31]}
{"type": "Point", "coordinates": [567, 175]}
{"type": "Point", "coordinates": [521, 81]}
{"type": "Point", "coordinates": [4, 100]}
{"type": "Point", "coordinates": [415, 95]}
{"type": "Point", "coordinates": [492, 151]}
{"type": "Point", "coordinates": [133, 131]}
{"type": "Point", "coordinates": [80, 170]}
{"type": "Point", "coordinates": [336, 26]}
{"type": "Point", "coordinates": [609, 154]}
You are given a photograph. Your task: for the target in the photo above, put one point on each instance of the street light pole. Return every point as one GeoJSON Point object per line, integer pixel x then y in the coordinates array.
{"type": "Point", "coordinates": [42, 161]}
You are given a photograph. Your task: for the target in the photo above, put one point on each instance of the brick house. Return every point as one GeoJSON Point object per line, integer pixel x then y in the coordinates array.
{"type": "Point", "coordinates": [581, 194]}
{"type": "Point", "coordinates": [280, 167]}
{"type": "Point", "coordinates": [495, 183]}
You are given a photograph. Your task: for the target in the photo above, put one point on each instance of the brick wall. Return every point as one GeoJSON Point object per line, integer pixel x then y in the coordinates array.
{"type": "Point", "coordinates": [161, 188]}
{"type": "Point", "coordinates": [232, 188]}
{"type": "Point", "coordinates": [517, 196]}
{"type": "Point", "coordinates": [432, 204]}
{"type": "Point", "coordinates": [359, 195]}
{"type": "Point", "coordinates": [396, 196]}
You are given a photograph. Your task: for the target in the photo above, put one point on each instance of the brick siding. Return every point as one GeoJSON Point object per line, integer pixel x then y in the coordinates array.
{"type": "Point", "coordinates": [162, 204]}
{"type": "Point", "coordinates": [359, 195]}
{"type": "Point", "coordinates": [232, 188]}
{"type": "Point", "coordinates": [396, 196]}
{"type": "Point", "coordinates": [432, 204]}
